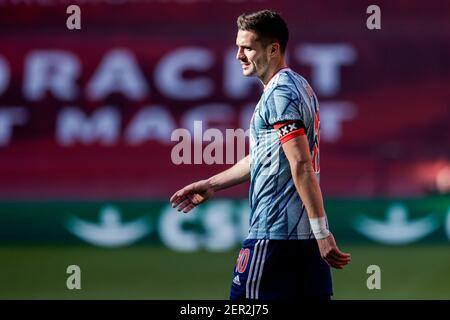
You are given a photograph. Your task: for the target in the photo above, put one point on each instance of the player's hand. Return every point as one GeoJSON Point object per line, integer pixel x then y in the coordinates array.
{"type": "Point", "coordinates": [192, 195]}
{"type": "Point", "coordinates": [331, 254]}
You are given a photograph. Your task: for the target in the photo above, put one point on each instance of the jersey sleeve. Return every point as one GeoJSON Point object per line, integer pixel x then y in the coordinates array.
{"type": "Point", "coordinates": [284, 113]}
{"type": "Point", "coordinates": [283, 105]}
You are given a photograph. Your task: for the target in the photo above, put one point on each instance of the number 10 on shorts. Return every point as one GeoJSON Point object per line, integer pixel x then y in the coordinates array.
{"type": "Point", "coordinates": [242, 260]}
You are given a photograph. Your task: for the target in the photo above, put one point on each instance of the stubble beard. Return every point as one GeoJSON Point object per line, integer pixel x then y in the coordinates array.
{"type": "Point", "coordinates": [250, 71]}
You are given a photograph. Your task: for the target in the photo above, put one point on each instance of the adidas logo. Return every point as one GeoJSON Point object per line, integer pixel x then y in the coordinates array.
{"type": "Point", "coordinates": [236, 280]}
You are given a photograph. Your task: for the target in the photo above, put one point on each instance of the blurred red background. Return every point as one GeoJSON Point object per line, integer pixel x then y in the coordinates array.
{"type": "Point", "coordinates": [88, 113]}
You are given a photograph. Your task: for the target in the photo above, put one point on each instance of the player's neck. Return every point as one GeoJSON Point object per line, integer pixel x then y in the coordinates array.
{"type": "Point", "coordinates": [272, 71]}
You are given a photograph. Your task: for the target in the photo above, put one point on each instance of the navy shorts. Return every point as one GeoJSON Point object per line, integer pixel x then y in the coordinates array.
{"type": "Point", "coordinates": [281, 270]}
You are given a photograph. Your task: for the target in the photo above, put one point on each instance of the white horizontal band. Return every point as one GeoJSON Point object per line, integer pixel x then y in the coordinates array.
{"type": "Point", "coordinates": [319, 227]}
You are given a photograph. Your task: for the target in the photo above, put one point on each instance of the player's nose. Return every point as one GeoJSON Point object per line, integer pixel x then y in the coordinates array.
{"type": "Point", "coordinates": [240, 54]}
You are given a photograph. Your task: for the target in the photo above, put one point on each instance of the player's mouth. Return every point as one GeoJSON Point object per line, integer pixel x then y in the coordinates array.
{"type": "Point", "coordinates": [245, 66]}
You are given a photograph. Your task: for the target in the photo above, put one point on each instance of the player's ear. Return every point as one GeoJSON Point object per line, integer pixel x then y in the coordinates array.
{"type": "Point", "coordinates": [274, 48]}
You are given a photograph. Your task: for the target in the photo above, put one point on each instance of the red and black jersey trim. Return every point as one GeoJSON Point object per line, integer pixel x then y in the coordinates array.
{"type": "Point", "coordinates": [288, 130]}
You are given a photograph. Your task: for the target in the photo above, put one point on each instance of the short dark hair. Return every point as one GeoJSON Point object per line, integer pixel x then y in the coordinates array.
{"type": "Point", "coordinates": [268, 26]}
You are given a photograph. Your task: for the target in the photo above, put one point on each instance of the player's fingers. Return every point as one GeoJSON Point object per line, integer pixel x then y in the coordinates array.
{"type": "Point", "coordinates": [340, 263]}
{"type": "Point", "coordinates": [342, 254]}
{"type": "Point", "coordinates": [339, 256]}
{"type": "Point", "coordinates": [189, 208]}
{"type": "Point", "coordinates": [183, 204]}
{"type": "Point", "coordinates": [180, 195]}
{"type": "Point", "coordinates": [195, 198]}
{"type": "Point", "coordinates": [335, 261]}
{"type": "Point", "coordinates": [332, 262]}
{"type": "Point", "coordinates": [186, 190]}
{"type": "Point", "coordinates": [176, 197]}
{"type": "Point", "coordinates": [173, 197]}
{"type": "Point", "coordinates": [176, 201]}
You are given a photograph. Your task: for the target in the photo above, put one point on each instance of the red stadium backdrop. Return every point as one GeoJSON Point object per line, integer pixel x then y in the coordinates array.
{"type": "Point", "coordinates": [89, 113]}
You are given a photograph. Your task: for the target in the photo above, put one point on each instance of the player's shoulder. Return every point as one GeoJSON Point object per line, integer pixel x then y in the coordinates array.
{"type": "Point", "coordinates": [289, 77]}
{"type": "Point", "coordinates": [294, 82]}
{"type": "Point", "coordinates": [287, 82]}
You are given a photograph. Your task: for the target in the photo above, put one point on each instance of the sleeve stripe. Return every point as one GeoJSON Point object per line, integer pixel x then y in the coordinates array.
{"type": "Point", "coordinates": [292, 135]}
{"type": "Point", "coordinates": [288, 130]}
{"type": "Point", "coordinates": [278, 125]}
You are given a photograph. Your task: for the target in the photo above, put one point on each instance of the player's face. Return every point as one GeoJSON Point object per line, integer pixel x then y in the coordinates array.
{"type": "Point", "coordinates": [251, 54]}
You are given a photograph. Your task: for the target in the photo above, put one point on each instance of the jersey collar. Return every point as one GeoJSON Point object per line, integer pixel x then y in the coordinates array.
{"type": "Point", "coordinates": [272, 79]}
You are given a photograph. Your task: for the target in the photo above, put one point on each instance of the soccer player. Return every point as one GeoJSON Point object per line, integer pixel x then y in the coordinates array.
{"type": "Point", "coordinates": [289, 249]}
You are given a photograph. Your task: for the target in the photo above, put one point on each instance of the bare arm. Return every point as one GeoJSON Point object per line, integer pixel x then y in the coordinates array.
{"type": "Point", "coordinates": [198, 192]}
{"type": "Point", "coordinates": [235, 175]}
{"type": "Point", "coordinates": [297, 152]}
